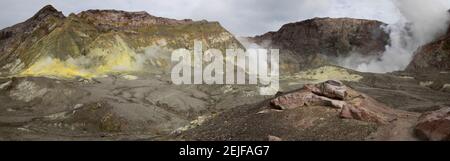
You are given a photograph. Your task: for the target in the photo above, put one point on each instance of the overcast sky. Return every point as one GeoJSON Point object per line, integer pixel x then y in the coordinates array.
{"type": "Point", "coordinates": [241, 17]}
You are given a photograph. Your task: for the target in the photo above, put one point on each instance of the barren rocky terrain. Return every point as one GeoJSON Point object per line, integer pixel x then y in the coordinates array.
{"type": "Point", "coordinates": [105, 75]}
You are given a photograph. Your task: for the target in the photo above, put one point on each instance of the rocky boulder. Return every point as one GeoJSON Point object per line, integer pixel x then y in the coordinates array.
{"type": "Point", "coordinates": [352, 104]}
{"type": "Point", "coordinates": [435, 125]}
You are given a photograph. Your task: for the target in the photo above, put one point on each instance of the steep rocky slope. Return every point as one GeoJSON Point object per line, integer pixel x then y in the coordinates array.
{"type": "Point", "coordinates": [17, 39]}
{"type": "Point", "coordinates": [431, 64]}
{"type": "Point", "coordinates": [320, 40]}
{"type": "Point", "coordinates": [97, 42]}
{"type": "Point", "coordinates": [432, 57]}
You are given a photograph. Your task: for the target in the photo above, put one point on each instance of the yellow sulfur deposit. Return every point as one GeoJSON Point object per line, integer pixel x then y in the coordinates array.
{"type": "Point", "coordinates": [117, 63]}
{"type": "Point", "coordinates": [55, 67]}
{"type": "Point", "coordinates": [66, 69]}
{"type": "Point", "coordinates": [118, 57]}
{"type": "Point", "coordinates": [328, 73]}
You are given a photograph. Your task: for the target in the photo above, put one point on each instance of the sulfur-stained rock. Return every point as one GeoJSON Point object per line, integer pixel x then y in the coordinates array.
{"type": "Point", "coordinates": [95, 43]}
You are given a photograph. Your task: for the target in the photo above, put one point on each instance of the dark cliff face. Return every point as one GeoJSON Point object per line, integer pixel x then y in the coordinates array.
{"type": "Point", "coordinates": [432, 57]}
{"type": "Point", "coordinates": [328, 37]}
{"type": "Point", "coordinates": [117, 19]}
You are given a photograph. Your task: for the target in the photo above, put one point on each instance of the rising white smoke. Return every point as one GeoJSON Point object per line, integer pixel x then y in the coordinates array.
{"type": "Point", "coordinates": [421, 23]}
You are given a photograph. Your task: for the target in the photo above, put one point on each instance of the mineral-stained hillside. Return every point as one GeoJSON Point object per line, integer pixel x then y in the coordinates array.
{"type": "Point", "coordinates": [434, 56]}
{"type": "Point", "coordinates": [310, 42]}
{"type": "Point", "coordinates": [431, 64]}
{"type": "Point", "coordinates": [97, 42]}
{"type": "Point", "coordinates": [118, 87]}
{"type": "Point", "coordinates": [121, 90]}
{"type": "Point", "coordinates": [16, 40]}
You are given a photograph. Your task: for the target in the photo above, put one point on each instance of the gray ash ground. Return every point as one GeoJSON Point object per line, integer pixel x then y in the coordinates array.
{"type": "Point", "coordinates": [110, 108]}
{"type": "Point", "coordinates": [151, 108]}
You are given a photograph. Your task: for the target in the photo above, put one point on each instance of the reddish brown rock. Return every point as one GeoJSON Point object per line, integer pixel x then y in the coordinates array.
{"type": "Point", "coordinates": [363, 113]}
{"type": "Point", "coordinates": [335, 94]}
{"type": "Point", "coordinates": [434, 125]}
{"type": "Point", "coordinates": [331, 89]}
{"type": "Point", "coordinates": [304, 97]}
{"type": "Point", "coordinates": [346, 113]}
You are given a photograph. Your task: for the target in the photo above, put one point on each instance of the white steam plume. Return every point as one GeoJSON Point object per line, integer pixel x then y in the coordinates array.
{"type": "Point", "coordinates": [421, 23]}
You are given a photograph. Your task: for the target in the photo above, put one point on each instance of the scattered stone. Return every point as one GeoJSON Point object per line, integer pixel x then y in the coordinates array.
{"type": "Point", "coordinates": [10, 110]}
{"type": "Point", "coordinates": [130, 77]}
{"type": "Point", "coordinates": [274, 138]}
{"type": "Point", "coordinates": [57, 116]}
{"type": "Point", "coordinates": [446, 88]}
{"type": "Point", "coordinates": [83, 80]}
{"type": "Point", "coordinates": [24, 129]}
{"type": "Point", "coordinates": [5, 84]}
{"type": "Point", "coordinates": [346, 113]}
{"type": "Point", "coordinates": [434, 126]}
{"type": "Point", "coordinates": [194, 123]}
{"type": "Point", "coordinates": [77, 106]}
{"type": "Point", "coordinates": [426, 83]}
